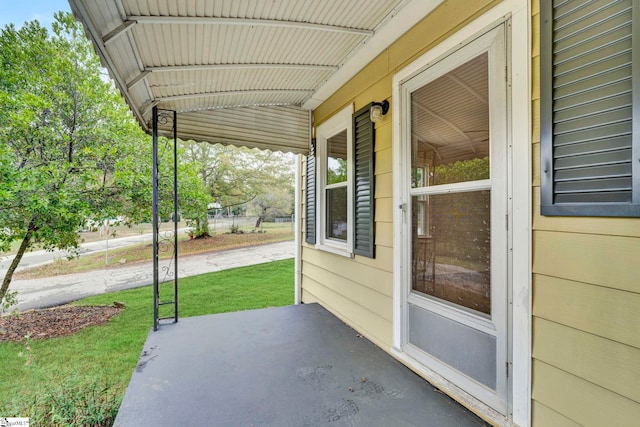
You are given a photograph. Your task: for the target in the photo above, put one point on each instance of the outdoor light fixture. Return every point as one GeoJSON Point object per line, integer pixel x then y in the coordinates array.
{"type": "Point", "coordinates": [377, 110]}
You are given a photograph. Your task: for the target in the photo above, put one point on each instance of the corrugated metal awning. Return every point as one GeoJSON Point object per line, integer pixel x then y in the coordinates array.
{"type": "Point", "coordinates": [241, 72]}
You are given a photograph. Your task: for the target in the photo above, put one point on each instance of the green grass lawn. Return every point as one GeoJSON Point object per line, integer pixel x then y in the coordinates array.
{"type": "Point", "coordinates": [92, 367]}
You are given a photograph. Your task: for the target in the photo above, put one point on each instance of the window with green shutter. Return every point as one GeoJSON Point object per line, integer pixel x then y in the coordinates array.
{"type": "Point", "coordinates": [590, 107]}
{"type": "Point", "coordinates": [340, 215]}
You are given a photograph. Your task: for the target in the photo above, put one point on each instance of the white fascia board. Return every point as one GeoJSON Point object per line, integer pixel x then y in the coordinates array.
{"type": "Point", "coordinates": [412, 13]}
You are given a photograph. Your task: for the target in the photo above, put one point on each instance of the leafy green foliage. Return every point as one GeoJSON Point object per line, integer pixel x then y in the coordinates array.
{"type": "Point", "coordinates": [64, 133]}
{"type": "Point", "coordinates": [460, 171]}
{"type": "Point", "coordinates": [7, 301]}
{"type": "Point", "coordinates": [70, 401]}
{"type": "Point", "coordinates": [336, 171]}
{"type": "Point", "coordinates": [192, 193]}
{"type": "Point", "coordinates": [70, 150]}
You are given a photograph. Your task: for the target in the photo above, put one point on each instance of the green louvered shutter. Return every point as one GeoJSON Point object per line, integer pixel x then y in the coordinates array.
{"type": "Point", "coordinates": [363, 184]}
{"type": "Point", "coordinates": [310, 197]}
{"type": "Point", "coordinates": [590, 108]}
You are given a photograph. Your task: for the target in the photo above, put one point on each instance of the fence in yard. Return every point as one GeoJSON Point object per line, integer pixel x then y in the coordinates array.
{"type": "Point", "coordinates": [283, 219]}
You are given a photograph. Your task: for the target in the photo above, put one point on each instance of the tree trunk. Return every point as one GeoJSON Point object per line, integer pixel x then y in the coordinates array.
{"type": "Point", "coordinates": [262, 217]}
{"type": "Point", "coordinates": [26, 241]}
{"type": "Point", "coordinates": [202, 227]}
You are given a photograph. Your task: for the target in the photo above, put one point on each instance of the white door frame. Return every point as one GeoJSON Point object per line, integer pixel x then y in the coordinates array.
{"type": "Point", "coordinates": [518, 13]}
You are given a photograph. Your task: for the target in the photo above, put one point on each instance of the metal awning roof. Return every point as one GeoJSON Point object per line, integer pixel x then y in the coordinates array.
{"type": "Point", "coordinates": [241, 72]}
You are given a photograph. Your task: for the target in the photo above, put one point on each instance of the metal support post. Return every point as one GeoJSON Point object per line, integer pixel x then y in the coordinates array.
{"type": "Point", "coordinates": [166, 242]}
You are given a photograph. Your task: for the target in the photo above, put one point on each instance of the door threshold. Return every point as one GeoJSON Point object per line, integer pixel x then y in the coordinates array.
{"type": "Point", "coordinates": [474, 405]}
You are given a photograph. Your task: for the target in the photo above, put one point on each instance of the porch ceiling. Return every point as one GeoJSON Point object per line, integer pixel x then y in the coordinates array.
{"type": "Point", "coordinates": [241, 72]}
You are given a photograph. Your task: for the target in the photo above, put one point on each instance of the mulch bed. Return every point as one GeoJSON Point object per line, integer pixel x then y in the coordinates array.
{"type": "Point", "coordinates": [53, 322]}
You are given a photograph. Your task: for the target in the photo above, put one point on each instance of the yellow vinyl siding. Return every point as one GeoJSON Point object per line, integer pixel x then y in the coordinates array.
{"type": "Point", "coordinates": [584, 225]}
{"type": "Point", "coordinates": [346, 269]}
{"type": "Point", "coordinates": [582, 401]}
{"type": "Point", "coordinates": [384, 185]}
{"type": "Point", "coordinates": [378, 303]}
{"type": "Point", "coordinates": [383, 134]}
{"type": "Point", "coordinates": [603, 260]}
{"type": "Point", "coordinates": [545, 416]}
{"type": "Point", "coordinates": [610, 364]}
{"type": "Point", "coordinates": [383, 260]}
{"type": "Point", "coordinates": [586, 307]}
{"type": "Point", "coordinates": [448, 18]}
{"type": "Point", "coordinates": [384, 210]}
{"type": "Point", "coordinates": [377, 92]}
{"type": "Point", "coordinates": [383, 161]}
{"type": "Point", "coordinates": [535, 155]}
{"type": "Point", "coordinates": [384, 234]}
{"type": "Point", "coordinates": [597, 310]}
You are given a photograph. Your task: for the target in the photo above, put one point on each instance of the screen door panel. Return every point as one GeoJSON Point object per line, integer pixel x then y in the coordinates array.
{"type": "Point", "coordinates": [456, 295]}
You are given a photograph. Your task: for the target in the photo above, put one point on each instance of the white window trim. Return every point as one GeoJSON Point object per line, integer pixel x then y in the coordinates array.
{"type": "Point", "coordinates": [521, 221]}
{"type": "Point", "coordinates": [341, 121]}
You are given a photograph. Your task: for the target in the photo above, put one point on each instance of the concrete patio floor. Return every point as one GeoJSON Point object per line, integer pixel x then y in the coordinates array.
{"type": "Point", "coordinates": [285, 366]}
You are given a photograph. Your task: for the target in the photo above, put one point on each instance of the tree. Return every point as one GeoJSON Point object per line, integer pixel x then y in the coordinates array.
{"type": "Point", "coordinates": [234, 174]}
{"type": "Point", "coordinates": [193, 197]}
{"type": "Point", "coordinates": [273, 201]}
{"type": "Point", "coordinates": [462, 170]}
{"type": "Point", "coordinates": [201, 157]}
{"type": "Point", "coordinates": [237, 177]}
{"type": "Point", "coordinates": [66, 139]}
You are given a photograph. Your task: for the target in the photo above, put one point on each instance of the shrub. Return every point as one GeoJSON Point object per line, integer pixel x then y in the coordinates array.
{"type": "Point", "coordinates": [9, 300]}
{"type": "Point", "coordinates": [70, 402]}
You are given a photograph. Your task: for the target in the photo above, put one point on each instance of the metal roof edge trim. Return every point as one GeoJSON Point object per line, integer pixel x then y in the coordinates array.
{"type": "Point", "coordinates": [244, 142]}
{"type": "Point", "coordinates": [406, 18]}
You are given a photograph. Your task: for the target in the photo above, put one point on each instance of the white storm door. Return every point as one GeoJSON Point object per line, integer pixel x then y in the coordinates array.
{"type": "Point", "coordinates": [455, 144]}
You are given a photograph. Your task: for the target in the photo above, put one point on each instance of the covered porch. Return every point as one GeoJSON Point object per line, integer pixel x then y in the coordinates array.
{"type": "Point", "coordinates": [261, 75]}
{"type": "Point", "coordinates": [286, 366]}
